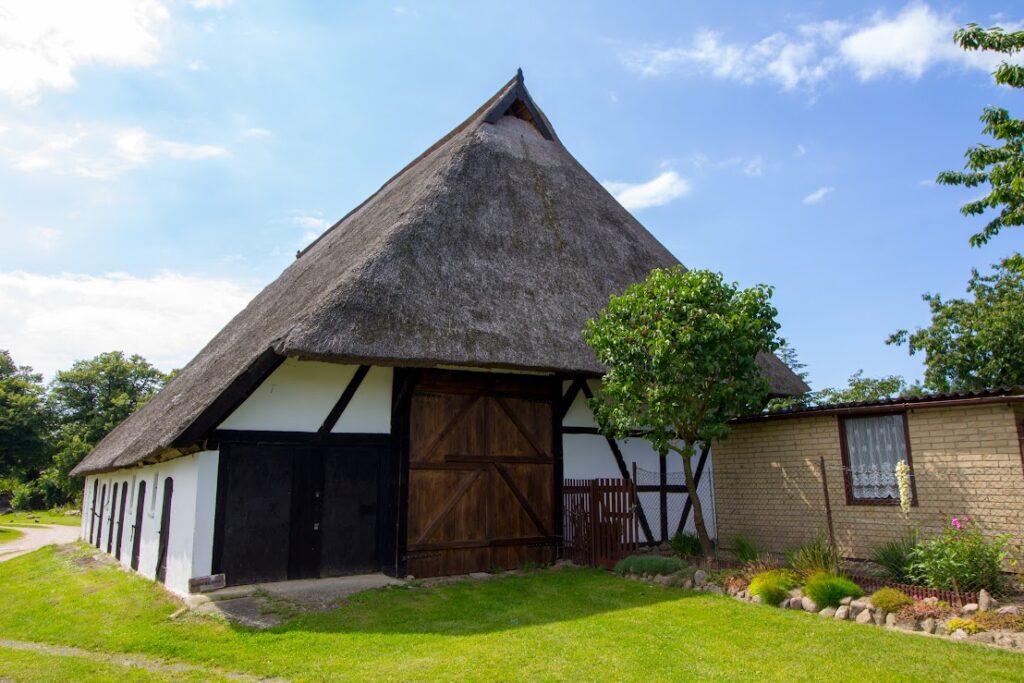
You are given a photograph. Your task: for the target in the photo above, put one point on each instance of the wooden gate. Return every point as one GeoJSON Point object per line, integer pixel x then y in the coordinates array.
{"type": "Point", "coordinates": [601, 524]}
{"type": "Point", "coordinates": [481, 473]}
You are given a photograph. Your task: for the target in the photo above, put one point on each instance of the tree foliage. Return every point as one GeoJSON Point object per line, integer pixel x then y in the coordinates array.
{"type": "Point", "coordinates": [861, 389]}
{"type": "Point", "coordinates": [23, 420]}
{"type": "Point", "coordinates": [680, 353]}
{"type": "Point", "coordinates": [1000, 167]}
{"type": "Point", "coordinates": [975, 342]}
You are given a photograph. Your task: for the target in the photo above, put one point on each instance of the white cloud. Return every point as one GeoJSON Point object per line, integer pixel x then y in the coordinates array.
{"type": "Point", "coordinates": [49, 321]}
{"type": "Point", "coordinates": [256, 133]}
{"type": "Point", "coordinates": [210, 4]}
{"type": "Point", "coordinates": [907, 44]}
{"type": "Point", "coordinates": [754, 168]}
{"type": "Point", "coordinates": [817, 195]}
{"type": "Point", "coordinates": [310, 220]}
{"type": "Point", "coordinates": [43, 238]}
{"type": "Point", "coordinates": [94, 153]}
{"type": "Point", "coordinates": [43, 43]}
{"type": "Point", "coordinates": [799, 151]}
{"type": "Point", "coordinates": [196, 65]}
{"type": "Point", "coordinates": [655, 192]}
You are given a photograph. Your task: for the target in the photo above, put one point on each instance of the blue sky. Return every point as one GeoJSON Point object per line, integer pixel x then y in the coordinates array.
{"type": "Point", "coordinates": [162, 161]}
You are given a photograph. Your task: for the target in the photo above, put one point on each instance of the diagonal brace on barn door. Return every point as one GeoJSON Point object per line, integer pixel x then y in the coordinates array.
{"type": "Point", "coordinates": [537, 448]}
{"type": "Point", "coordinates": [457, 495]}
{"type": "Point", "coordinates": [537, 521]}
{"type": "Point", "coordinates": [346, 398]}
{"type": "Point", "coordinates": [613, 445]}
{"type": "Point", "coordinates": [470, 401]}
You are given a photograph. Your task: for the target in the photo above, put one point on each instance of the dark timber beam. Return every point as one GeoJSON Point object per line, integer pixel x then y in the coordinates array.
{"type": "Point", "coordinates": [696, 482]}
{"type": "Point", "coordinates": [346, 397]}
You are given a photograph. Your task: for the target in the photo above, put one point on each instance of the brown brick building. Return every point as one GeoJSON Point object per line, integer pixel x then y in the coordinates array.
{"type": "Point", "coordinates": [966, 453]}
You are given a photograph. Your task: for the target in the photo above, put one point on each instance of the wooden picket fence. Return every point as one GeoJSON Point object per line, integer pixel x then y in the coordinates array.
{"type": "Point", "coordinates": [600, 524]}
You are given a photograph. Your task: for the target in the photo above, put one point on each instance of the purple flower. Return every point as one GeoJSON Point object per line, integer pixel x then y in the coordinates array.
{"type": "Point", "coordinates": [957, 524]}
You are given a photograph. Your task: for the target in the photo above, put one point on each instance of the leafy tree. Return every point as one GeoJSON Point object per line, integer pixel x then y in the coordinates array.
{"type": "Point", "coordinates": [976, 342]}
{"type": "Point", "coordinates": [1000, 167]}
{"type": "Point", "coordinates": [680, 355]}
{"type": "Point", "coordinates": [98, 394]}
{"type": "Point", "coordinates": [788, 355]}
{"type": "Point", "coordinates": [23, 420]}
{"type": "Point", "coordinates": [862, 389]}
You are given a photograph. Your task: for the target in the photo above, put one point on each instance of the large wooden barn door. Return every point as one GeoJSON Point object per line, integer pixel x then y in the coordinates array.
{"type": "Point", "coordinates": [481, 473]}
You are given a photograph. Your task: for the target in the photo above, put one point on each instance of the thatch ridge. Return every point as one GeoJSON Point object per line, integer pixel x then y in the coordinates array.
{"type": "Point", "coordinates": [491, 249]}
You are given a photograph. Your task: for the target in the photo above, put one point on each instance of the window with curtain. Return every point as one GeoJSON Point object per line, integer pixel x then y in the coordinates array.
{"type": "Point", "coordinates": [874, 445]}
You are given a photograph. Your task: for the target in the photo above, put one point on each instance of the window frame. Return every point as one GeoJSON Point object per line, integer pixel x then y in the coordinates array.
{"type": "Point", "coordinates": [847, 469]}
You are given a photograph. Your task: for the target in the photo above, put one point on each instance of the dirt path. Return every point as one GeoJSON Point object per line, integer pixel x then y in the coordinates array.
{"type": "Point", "coordinates": [127, 660]}
{"type": "Point", "coordinates": [35, 537]}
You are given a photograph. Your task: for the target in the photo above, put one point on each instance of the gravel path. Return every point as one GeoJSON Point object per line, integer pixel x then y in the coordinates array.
{"type": "Point", "coordinates": [35, 537]}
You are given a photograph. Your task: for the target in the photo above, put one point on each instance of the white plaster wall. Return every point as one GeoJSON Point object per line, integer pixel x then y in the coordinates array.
{"type": "Point", "coordinates": [299, 394]}
{"type": "Point", "coordinates": [587, 456]}
{"type": "Point", "coordinates": [190, 546]}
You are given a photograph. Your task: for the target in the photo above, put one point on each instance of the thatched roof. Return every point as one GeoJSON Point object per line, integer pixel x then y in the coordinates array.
{"type": "Point", "coordinates": [491, 249]}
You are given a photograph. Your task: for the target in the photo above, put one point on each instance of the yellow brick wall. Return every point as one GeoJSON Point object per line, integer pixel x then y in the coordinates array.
{"type": "Point", "coordinates": [967, 461]}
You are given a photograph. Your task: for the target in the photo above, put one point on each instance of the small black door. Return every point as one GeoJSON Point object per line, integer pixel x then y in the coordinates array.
{"type": "Point", "coordinates": [349, 542]}
{"type": "Point", "coordinates": [140, 509]}
{"type": "Point", "coordinates": [92, 513]}
{"type": "Point", "coordinates": [110, 523]}
{"type": "Point", "coordinates": [165, 531]}
{"type": "Point", "coordinates": [120, 520]}
{"type": "Point", "coordinates": [99, 516]}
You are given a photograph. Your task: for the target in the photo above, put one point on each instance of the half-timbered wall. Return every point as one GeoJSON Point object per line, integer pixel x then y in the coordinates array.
{"type": "Point", "coordinates": [589, 456]}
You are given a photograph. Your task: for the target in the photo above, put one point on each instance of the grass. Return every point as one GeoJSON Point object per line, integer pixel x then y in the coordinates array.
{"type": "Point", "coordinates": [8, 535]}
{"type": "Point", "coordinates": [39, 517]}
{"type": "Point", "coordinates": [576, 624]}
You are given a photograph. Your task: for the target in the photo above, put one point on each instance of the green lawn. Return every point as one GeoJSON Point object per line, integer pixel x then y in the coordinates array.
{"type": "Point", "coordinates": [40, 517]}
{"type": "Point", "coordinates": [8, 535]}
{"type": "Point", "coordinates": [571, 624]}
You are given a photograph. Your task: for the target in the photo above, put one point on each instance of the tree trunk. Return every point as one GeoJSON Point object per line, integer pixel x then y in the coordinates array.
{"type": "Point", "coordinates": [698, 511]}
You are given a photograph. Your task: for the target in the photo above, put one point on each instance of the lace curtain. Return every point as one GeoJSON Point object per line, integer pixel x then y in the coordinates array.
{"type": "Point", "coordinates": [875, 445]}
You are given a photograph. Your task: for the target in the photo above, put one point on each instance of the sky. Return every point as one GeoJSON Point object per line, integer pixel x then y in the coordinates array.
{"type": "Point", "coordinates": [162, 161]}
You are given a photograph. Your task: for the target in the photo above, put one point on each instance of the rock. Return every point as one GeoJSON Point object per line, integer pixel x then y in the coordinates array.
{"type": "Point", "coordinates": [984, 600]}
{"type": "Point", "coordinates": [931, 601]}
{"type": "Point", "coordinates": [982, 637]}
{"type": "Point", "coordinates": [1005, 640]}
{"type": "Point", "coordinates": [908, 624]}
{"type": "Point", "coordinates": [808, 604]}
{"type": "Point", "coordinates": [928, 625]}
{"type": "Point", "coordinates": [662, 580]}
{"type": "Point", "coordinates": [410, 577]}
{"type": "Point", "coordinates": [756, 600]}
{"type": "Point", "coordinates": [1009, 609]}
{"type": "Point", "coordinates": [890, 620]}
{"type": "Point", "coordinates": [879, 617]}
{"type": "Point", "coordinates": [969, 608]}
{"type": "Point", "coordinates": [796, 593]}
{"type": "Point", "coordinates": [700, 577]}
{"type": "Point", "coordinates": [784, 604]}
{"type": "Point", "coordinates": [480, 576]}
{"type": "Point", "coordinates": [688, 583]}
{"type": "Point", "coordinates": [846, 601]}
{"type": "Point", "coordinates": [828, 612]}
{"type": "Point", "coordinates": [843, 612]}
{"type": "Point", "coordinates": [864, 617]}
{"type": "Point", "coordinates": [796, 603]}
{"type": "Point", "coordinates": [1020, 641]}
{"type": "Point", "coordinates": [958, 634]}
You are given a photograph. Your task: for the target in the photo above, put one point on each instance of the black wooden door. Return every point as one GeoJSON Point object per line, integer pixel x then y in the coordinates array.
{"type": "Point", "coordinates": [120, 520]}
{"type": "Point", "coordinates": [165, 531]}
{"type": "Point", "coordinates": [92, 514]}
{"type": "Point", "coordinates": [99, 527]}
{"type": "Point", "coordinates": [306, 512]}
{"type": "Point", "coordinates": [254, 512]}
{"type": "Point", "coordinates": [110, 524]}
{"type": "Point", "coordinates": [349, 540]}
{"type": "Point", "coordinates": [140, 509]}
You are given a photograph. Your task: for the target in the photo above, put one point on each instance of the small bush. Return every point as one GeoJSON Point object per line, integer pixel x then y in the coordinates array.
{"type": "Point", "coordinates": [890, 599]}
{"type": "Point", "coordinates": [686, 544]}
{"type": "Point", "coordinates": [744, 549]}
{"type": "Point", "coordinates": [827, 590]}
{"type": "Point", "coordinates": [924, 610]}
{"type": "Point", "coordinates": [648, 564]}
{"type": "Point", "coordinates": [961, 559]}
{"type": "Point", "coordinates": [815, 556]}
{"type": "Point", "coordinates": [774, 586]}
{"type": "Point", "coordinates": [993, 621]}
{"type": "Point", "coordinates": [896, 557]}
{"type": "Point", "coordinates": [968, 625]}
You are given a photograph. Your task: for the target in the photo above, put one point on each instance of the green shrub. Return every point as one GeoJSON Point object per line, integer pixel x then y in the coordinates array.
{"type": "Point", "coordinates": [648, 564]}
{"type": "Point", "coordinates": [968, 625]}
{"type": "Point", "coordinates": [960, 559]}
{"type": "Point", "coordinates": [774, 586]}
{"type": "Point", "coordinates": [744, 549]}
{"type": "Point", "coordinates": [817, 555]}
{"type": "Point", "coordinates": [890, 599]}
{"type": "Point", "coordinates": [686, 544]}
{"type": "Point", "coordinates": [827, 590]}
{"type": "Point", "coordinates": [895, 557]}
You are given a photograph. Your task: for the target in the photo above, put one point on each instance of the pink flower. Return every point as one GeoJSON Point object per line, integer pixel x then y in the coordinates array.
{"type": "Point", "coordinates": [957, 524]}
